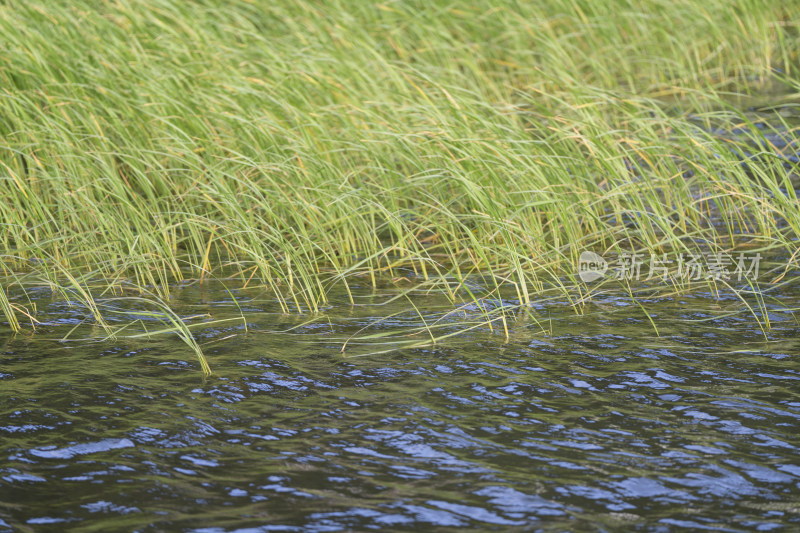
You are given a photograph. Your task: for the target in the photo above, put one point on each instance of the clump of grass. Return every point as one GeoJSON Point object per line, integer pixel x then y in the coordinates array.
{"type": "Point", "coordinates": [303, 145]}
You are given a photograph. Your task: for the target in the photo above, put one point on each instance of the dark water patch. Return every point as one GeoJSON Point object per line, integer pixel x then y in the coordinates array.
{"type": "Point", "coordinates": [599, 425]}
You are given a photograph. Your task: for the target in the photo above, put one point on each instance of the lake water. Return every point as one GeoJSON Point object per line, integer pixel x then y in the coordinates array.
{"type": "Point", "coordinates": [598, 426]}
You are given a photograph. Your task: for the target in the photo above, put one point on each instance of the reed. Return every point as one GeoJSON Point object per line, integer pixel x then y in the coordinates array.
{"type": "Point", "coordinates": [302, 145]}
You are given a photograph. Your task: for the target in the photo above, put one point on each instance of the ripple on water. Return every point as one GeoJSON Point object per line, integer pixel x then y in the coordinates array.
{"type": "Point", "coordinates": [577, 431]}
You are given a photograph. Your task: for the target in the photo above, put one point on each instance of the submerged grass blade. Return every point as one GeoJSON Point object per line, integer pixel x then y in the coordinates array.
{"type": "Point", "coordinates": [8, 311]}
{"type": "Point", "coordinates": [175, 325]}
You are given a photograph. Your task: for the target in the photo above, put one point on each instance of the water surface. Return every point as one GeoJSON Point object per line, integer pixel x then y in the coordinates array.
{"type": "Point", "coordinates": [601, 425]}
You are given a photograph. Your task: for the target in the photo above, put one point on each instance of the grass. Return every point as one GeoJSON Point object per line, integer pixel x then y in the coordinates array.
{"type": "Point", "coordinates": [301, 145]}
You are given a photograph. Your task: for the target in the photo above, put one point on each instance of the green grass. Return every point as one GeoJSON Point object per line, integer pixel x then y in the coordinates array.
{"type": "Point", "coordinates": [302, 145]}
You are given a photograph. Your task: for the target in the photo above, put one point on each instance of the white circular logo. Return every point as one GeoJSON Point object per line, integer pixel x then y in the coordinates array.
{"type": "Point", "coordinates": [591, 267]}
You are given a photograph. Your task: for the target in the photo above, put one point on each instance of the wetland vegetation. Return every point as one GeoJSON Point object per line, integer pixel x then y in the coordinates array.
{"type": "Point", "coordinates": [300, 146]}
{"type": "Point", "coordinates": [275, 184]}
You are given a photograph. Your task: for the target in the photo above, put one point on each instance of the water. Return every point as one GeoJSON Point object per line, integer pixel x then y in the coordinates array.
{"type": "Point", "coordinates": [599, 426]}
